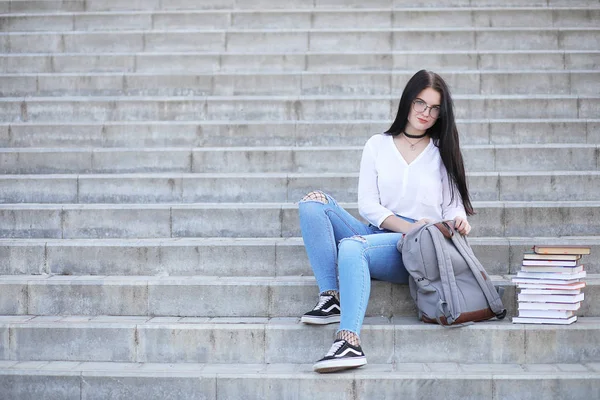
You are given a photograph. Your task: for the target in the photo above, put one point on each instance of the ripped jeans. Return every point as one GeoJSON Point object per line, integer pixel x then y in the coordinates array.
{"type": "Point", "coordinates": [338, 243]}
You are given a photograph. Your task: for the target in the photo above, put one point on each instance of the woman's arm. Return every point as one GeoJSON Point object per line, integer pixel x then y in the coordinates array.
{"type": "Point", "coordinates": [369, 205]}
{"type": "Point", "coordinates": [452, 207]}
{"type": "Point", "coordinates": [397, 224]}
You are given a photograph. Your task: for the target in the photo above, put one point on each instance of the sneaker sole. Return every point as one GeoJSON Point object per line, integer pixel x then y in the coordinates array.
{"type": "Point", "coordinates": [319, 320]}
{"type": "Point", "coordinates": [339, 365]}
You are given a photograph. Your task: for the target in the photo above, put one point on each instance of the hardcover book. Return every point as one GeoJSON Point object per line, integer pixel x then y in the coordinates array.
{"type": "Point", "coordinates": [551, 298]}
{"type": "Point", "coordinates": [550, 275]}
{"type": "Point", "coordinates": [530, 320]}
{"type": "Point", "coordinates": [557, 285]}
{"type": "Point", "coordinates": [551, 291]}
{"type": "Point", "coordinates": [545, 314]}
{"type": "Point", "coordinates": [582, 250]}
{"type": "Point", "coordinates": [550, 263]}
{"type": "Point", "coordinates": [563, 257]}
{"type": "Point", "coordinates": [559, 270]}
{"type": "Point", "coordinates": [549, 306]}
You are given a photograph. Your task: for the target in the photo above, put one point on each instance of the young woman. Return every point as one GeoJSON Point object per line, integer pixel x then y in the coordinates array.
{"type": "Point", "coordinates": [409, 175]}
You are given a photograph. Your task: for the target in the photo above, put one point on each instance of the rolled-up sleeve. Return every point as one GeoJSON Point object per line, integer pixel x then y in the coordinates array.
{"type": "Point", "coordinates": [369, 205]}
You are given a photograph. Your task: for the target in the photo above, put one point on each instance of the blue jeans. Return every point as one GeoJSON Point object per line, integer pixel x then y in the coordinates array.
{"type": "Point", "coordinates": [334, 238]}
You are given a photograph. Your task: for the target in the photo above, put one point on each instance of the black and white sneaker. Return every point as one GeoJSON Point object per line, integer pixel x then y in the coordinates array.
{"type": "Point", "coordinates": [342, 355]}
{"type": "Point", "coordinates": [327, 311]}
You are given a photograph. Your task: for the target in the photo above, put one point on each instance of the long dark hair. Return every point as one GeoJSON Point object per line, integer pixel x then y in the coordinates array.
{"type": "Point", "coordinates": [443, 132]}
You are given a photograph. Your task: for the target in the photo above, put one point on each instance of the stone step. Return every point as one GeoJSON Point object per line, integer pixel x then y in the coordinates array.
{"type": "Point", "coordinates": [60, 6]}
{"type": "Point", "coordinates": [96, 221]}
{"type": "Point", "coordinates": [273, 257]}
{"type": "Point", "coordinates": [144, 188]}
{"type": "Point", "coordinates": [140, 381]}
{"type": "Point", "coordinates": [242, 160]}
{"type": "Point", "coordinates": [247, 341]}
{"type": "Point", "coordinates": [202, 296]}
{"type": "Point", "coordinates": [316, 18]}
{"type": "Point", "coordinates": [152, 134]}
{"type": "Point", "coordinates": [298, 40]}
{"type": "Point", "coordinates": [277, 108]}
{"type": "Point", "coordinates": [325, 61]}
{"type": "Point", "coordinates": [295, 84]}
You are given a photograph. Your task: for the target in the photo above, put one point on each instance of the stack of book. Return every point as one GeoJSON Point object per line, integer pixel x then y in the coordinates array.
{"type": "Point", "coordinates": [550, 283]}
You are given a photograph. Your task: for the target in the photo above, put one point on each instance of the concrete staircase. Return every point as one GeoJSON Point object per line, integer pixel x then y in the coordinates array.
{"type": "Point", "coordinates": [153, 153]}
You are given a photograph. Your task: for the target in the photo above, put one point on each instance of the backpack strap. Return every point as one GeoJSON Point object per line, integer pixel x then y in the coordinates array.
{"type": "Point", "coordinates": [451, 307]}
{"type": "Point", "coordinates": [489, 290]}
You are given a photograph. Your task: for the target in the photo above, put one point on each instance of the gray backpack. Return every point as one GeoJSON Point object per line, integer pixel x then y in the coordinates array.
{"type": "Point", "coordinates": [447, 282]}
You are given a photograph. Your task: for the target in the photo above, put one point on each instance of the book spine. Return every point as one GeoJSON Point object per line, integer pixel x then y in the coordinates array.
{"type": "Point", "coordinates": [547, 250]}
{"type": "Point", "coordinates": [540, 263]}
{"type": "Point", "coordinates": [550, 298]}
{"type": "Point", "coordinates": [551, 275]}
{"type": "Point", "coordinates": [554, 270]}
{"type": "Point", "coordinates": [550, 291]}
{"type": "Point", "coordinates": [554, 321]}
{"type": "Point", "coordinates": [549, 306]}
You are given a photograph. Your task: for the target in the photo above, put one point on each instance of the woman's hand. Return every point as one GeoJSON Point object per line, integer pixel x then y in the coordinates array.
{"type": "Point", "coordinates": [462, 225]}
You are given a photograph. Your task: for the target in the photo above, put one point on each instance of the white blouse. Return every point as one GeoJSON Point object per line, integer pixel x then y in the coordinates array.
{"type": "Point", "coordinates": [387, 185]}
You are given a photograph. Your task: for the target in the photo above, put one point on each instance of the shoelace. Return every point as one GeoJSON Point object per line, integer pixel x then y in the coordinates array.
{"type": "Point", "coordinates": [335, 347]}
{"type": "Point", "coordinates": [322, 301]}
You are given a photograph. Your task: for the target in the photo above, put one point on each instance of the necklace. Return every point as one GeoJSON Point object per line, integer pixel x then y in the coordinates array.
{"type": "Point", "coordinates": [415, 136]}
{"type": "Point", "coordinates": [412, 145]}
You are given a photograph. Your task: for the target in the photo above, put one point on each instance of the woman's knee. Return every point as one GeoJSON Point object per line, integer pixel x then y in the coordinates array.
{"type": "Point", "coordinates": [312, 206]}
{"type": "Point", "coordinates": [353, 246]}
{"type": "Point", "coordinates": [315, 196]}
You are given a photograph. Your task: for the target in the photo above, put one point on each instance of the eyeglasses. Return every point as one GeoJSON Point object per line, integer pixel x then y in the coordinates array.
{"type": "Point", "coordinates": [420, 106]}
